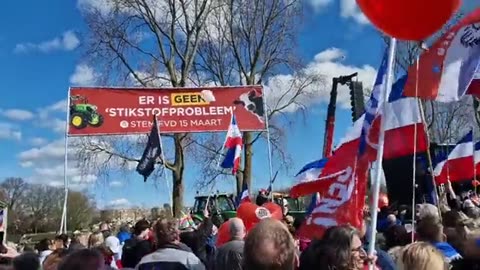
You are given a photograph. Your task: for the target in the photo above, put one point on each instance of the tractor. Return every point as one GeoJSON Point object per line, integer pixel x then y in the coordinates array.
{"type": "Point", "coordinates": [221, 207]}
{"type": "Point", "coordinates": [83, 114]}
{"type": "Point", "coordinates": [296, 207]}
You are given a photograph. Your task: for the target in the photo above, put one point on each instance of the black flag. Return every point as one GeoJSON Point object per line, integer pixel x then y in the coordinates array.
{"type": "Point", "coordinates": [146, 165]}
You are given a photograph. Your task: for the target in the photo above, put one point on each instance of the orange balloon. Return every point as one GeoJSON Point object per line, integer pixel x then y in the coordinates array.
{"type": "Point", "coordinates": [223, 234]}
{"type": "Point", "coordinates": [409, 19]}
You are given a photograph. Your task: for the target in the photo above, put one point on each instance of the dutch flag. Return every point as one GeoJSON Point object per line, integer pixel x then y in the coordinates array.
{"type": "Point", "coordinates": [244, 196]}
{"type": "Point", "coordinates": [233, 145]}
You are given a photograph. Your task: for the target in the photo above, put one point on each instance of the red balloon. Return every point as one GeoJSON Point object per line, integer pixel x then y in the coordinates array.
{"type": "Point", "coordinates": [251, 213]}
{"type": "Point", "coordinates": [275, 210]}
{"type": "Point", "coordinates": [409, 19]}
{"type": "Point", "coordinates": [223, 234]}
{"type": "Point", "coordinates": [383, 200]}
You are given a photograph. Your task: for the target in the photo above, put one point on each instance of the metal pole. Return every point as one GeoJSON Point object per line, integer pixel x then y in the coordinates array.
{"type": "Point", "coordinates": [269, 145]}
{"type": "Point", "coordinates": [474, 142]}
{"type": "Point", "coordinates": [429, 156]}
{"type": "Point", "coordinates": [381, 140]}
{"type": "Point", "coordinates": [414, 171]}
{"type": "Point", "coordinates": [5, 225]}
{"type": "Point", "coordinates": [65, 169]}
{"type": "Point", "coordinates": [164, 162]}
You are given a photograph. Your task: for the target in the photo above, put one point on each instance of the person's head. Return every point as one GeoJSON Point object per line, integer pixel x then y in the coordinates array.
{"type": "Point", "coordinates": [26, 261]}
{"type": "Point", "coordinates": [468, 204]}
{"type": "Point", "coordinates": [43, 245]}
{"type": "Point", "coordinates": [430, 229]}
{"type": "Point", "coordinates": [113, 244]}
{"type": "Point", "coordinates": [453, 219]}
{"type": "Point", "coordinates": [141, 229]}
{"type": "Point", "coordinates": [53, 260]}
{"type": "Point", "coordinates": [61, 241]}
{"type": "Point", "coordinates": [427, 210]}
{"type": "Point", "coordinates": [237, 229]}
{"type": "Point", "coordinates": [269, 245]}
{"type": "Point", "coordinates": [105, 229]}
{"type": "Point", "coordinates": [392, 219]}
{"type": "Point", "coordinates": [167, 232]}
{"type": "Point", "coordinates": [125, 228]}
{"type": "Point", "coordinates": [396, 235]}
{"type": "Point", "coordinates": [84, 259]}
{"type": "Point", "coordinates": [285, 206]}
{"type": "Point", "coordinates": [346, 248]}
{"type": "Point", "coordinates": [95, 240]}
{"type": "Point", "coordinates": [421, 256]}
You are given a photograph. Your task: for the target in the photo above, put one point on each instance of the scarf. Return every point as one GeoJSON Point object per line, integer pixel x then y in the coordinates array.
{"type": "Point", "coordinates": [448, 251]}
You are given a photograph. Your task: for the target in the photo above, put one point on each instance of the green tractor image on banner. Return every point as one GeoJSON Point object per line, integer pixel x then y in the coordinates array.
{"type": "Point", "coordinates": [83, 114]}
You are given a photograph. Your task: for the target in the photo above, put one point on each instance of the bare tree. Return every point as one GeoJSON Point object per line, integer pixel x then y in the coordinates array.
{"type": "Point", "coordinates": [185, 42]}
{"type": "Point", "coordinates": [81, 210]}
{"type": "Point", "coordinates": [247, 42]}
{"type": "Point", "coordinates": [172, 29]}
{"type": "Point", "coordinates": [14, 188]}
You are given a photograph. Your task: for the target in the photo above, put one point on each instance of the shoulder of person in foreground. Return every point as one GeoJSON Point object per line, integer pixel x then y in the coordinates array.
{"type": "Point", "coordinates": [171, 256]}
{"type": "Point", "coordinates": [194, 263]}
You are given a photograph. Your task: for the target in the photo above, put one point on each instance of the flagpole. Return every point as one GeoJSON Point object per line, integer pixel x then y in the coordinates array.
{"type": "Point", "coordinates": [5, 225]}
{"type": "Point", "coordinates": [376, 185]}
{"type": "Point", "coordinates": [164, 163]}
{"type": "Point", "coordinates": [414, 170]}
{"type": "Point", "coordinates": [63, 226]}
{"type": "Point", "coordinates": [269, 144]}
{"type": "Point", "coordinates": [474, 142]}
{"type": "Point", "coordinates": [429, 155]}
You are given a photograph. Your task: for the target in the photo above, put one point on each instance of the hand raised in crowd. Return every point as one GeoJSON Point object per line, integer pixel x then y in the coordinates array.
{"type": "Point", "coordinates": [11, 253]}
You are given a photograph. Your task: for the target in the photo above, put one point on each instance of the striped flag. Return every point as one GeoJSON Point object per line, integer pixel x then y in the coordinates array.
{"type": "Point", "coordinates": [233, 145]}
{"type": "Point", "coordinates": [447, 69]}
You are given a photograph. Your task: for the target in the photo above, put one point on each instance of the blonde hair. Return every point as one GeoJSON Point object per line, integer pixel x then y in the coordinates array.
{"type": "Point", "coordinates": [95, 240]}
{"type": "Point", "coordinates": [421, 256]}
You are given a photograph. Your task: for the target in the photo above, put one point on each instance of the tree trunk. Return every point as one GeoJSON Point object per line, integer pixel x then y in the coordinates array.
{"type": "Point", "coordinates": [177, 176]}
{"type": "Point", "coordinates": [247, 164]}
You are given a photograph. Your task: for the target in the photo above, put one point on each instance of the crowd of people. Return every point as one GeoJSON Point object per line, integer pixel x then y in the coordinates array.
{"type": "Point", "coordinates": [441, 239]}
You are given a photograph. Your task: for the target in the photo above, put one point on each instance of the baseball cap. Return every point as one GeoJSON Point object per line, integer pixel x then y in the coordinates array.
{"type": "Point", "coordinates": [113, 244]}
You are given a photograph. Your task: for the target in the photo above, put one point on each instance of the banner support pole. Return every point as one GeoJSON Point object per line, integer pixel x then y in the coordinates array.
{"type": "Point", "coordinates": [269, 143]}
{"type": "Point", "coordinates": [63, 226]}
{"type": "Point", "coordinates": [378, 170]}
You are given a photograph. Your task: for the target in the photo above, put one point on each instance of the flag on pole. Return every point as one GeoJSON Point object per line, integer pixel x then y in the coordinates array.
{"type": "Point", "coordinates": [308, 178]}
{"type": "Point", "coordinates": [244, 196]}
{"type": "Point", "coordinates": [233, 145]}
{"type": "Point", "coordinates": [152, 152]}
{"type": "Point", "coordinates": [445, 72]}
{"type": "Point", "coordinates": [313, 203]}
{"type": "Point", "coordinates": [458, 164]}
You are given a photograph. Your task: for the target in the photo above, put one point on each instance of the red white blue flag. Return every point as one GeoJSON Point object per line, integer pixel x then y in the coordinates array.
{"type": "Point", "coordinates": [446, 71]}
{"type": "Point", "coordinates": [233, 145]}
{"type": "Point", "coordinates": [244, 196]}
{"type": "Point", "coordinates": [458, 165]}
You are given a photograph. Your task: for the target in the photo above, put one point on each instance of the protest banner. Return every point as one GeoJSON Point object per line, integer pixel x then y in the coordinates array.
{"type": "Point", "coordinates": [120, 111]}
